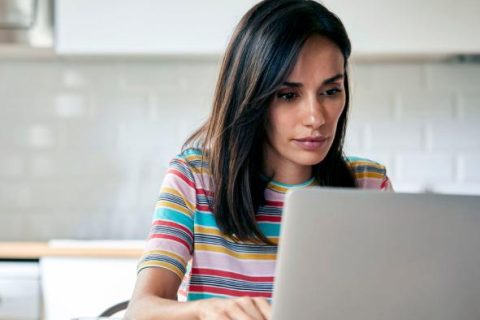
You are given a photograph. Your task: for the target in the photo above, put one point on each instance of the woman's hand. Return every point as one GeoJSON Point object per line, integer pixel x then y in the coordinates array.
{"type": "Point", "coordinates": [245, 308]}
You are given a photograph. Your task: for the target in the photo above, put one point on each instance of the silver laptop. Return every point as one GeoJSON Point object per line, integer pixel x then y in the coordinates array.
{"type": "Point", "coordinates": [367, 255]}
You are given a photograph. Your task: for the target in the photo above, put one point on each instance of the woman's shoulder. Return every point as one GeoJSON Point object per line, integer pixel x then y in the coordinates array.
{"type": "Point", "coordinates": [190, 158]}
{"type": "Point", "coordinates": [191, 154]}
{"type": "Point", "coordinates": [368, 174]}
{"type": "Point", "coordinates": [188, 169]}
{"type": "Point", "coordinates": [360, 164]}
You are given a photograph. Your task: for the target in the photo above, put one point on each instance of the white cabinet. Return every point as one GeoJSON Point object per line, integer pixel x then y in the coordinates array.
{"type": "Point", "coordinates": [83, 286]}
{"type": "Point", "coordinates": [376, 27]}
{"type": "Point", "coordinates": [146, 26]}
{"type": "Point", "coordinates": [19, 291]}
{"type": "Point", "coordinates": [411, 27]}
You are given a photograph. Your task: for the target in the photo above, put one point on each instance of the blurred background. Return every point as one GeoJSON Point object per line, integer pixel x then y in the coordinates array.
{"type": "Point", "coordinates": [96, 96]}
{"type": "Point", "coordinates": [94, 103]}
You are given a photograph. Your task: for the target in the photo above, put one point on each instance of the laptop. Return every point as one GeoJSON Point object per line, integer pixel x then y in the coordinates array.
{"type": "Point", "coordinates": [369, 255]}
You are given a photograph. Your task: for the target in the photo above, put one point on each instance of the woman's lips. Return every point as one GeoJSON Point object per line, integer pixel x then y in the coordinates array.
{"type": "Point", "coordinates": [310, 144]}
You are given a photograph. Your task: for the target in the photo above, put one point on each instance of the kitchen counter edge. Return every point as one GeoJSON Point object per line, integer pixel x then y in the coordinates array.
{"type": "Point", "coordinates": [37, 250]}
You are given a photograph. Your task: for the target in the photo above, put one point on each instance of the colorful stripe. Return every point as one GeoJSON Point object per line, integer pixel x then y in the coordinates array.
{"type": "Point", "coordinates": [185, 237]}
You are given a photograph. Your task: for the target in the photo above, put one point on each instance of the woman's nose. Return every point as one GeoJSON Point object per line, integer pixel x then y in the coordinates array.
{"type": "Point", "coordinates": [313, 116]}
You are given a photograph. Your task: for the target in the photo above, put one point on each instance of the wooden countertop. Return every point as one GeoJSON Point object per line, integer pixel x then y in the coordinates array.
{"type": "Point", "coordinates": [34, 250]}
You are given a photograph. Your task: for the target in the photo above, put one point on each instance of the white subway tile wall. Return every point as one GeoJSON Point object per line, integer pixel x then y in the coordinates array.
{"type": "Point", "coordinates": [84, 144]}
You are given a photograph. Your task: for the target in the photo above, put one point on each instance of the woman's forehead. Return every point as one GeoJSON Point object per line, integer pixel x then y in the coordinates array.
{"type": "Point", "coordinates": [319, 57]}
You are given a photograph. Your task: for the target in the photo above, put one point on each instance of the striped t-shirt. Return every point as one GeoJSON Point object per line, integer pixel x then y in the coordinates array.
{"type": "Point", "coordinates": [184, 232]}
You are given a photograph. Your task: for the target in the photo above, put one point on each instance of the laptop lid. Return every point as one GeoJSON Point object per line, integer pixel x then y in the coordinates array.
{"type": "Point", "coordinates": [359, 254]}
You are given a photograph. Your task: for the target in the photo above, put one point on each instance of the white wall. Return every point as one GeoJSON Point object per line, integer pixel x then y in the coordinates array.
{"type": "Point", "coordinates": [84, 144]}
{"type": "Point", "coordinates": [421, 120]}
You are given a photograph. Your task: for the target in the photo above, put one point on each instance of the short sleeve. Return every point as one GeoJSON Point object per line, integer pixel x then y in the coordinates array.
{"type": "Point", "coordinates": [369, 174]}
{"type": "Point", "coordinates": [170, 242]}
{"type": "Point", "coordinates": [386, 184]}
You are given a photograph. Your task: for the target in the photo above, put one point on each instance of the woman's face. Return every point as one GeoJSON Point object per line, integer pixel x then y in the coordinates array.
{"type": "Point", "coordinates": [303, 114]}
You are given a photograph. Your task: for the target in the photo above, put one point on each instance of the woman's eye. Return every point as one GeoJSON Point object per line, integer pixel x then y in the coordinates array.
{"type": "Point", "coordinates": [287, 96]}
{"type": "Point", "coordinates": [331, 92]}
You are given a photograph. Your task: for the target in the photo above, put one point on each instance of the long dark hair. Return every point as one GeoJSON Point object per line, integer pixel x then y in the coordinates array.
{"type": "Point", "coordinates": [261, 54]}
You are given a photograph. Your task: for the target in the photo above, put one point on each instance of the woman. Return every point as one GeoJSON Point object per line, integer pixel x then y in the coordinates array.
{"type": "Point", "coordinates": [278, 121]}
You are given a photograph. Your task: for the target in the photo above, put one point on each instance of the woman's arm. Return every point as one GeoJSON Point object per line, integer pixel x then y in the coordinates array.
{"type": "Point", "coordinates": [155, 297]}
{"type": "Point", "coordinates": [168, 250]}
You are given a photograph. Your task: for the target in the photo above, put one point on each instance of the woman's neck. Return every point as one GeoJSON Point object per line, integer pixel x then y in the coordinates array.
{"type": "Point", "coordinates": [286, 172]}
{"type": "Point", "coordinates": [291, 177]}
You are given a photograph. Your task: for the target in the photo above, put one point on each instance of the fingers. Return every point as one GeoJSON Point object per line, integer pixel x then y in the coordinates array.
{"type": "Point", "coordinates": [250, 307]}
{"type": "Point", "coordinates": [235, 311]}
{"type": "Point", "coordinates": [245, 308]}
{"type": "Point", "coordinates": [264, 307]}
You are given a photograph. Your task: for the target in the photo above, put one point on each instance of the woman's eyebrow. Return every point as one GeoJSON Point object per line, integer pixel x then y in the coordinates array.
{"type": "Point", "coordinates": [334, 78]}
{"type": "Point", "coordinates": [326, 81]}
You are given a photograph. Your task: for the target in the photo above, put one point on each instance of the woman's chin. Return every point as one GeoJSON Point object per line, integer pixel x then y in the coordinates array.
{"type": "Point", "coordinates": [309, 159]}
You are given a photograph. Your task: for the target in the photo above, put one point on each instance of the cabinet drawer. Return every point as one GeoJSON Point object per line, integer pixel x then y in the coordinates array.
{"type": "Point", "coordinates": [19, 299]}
